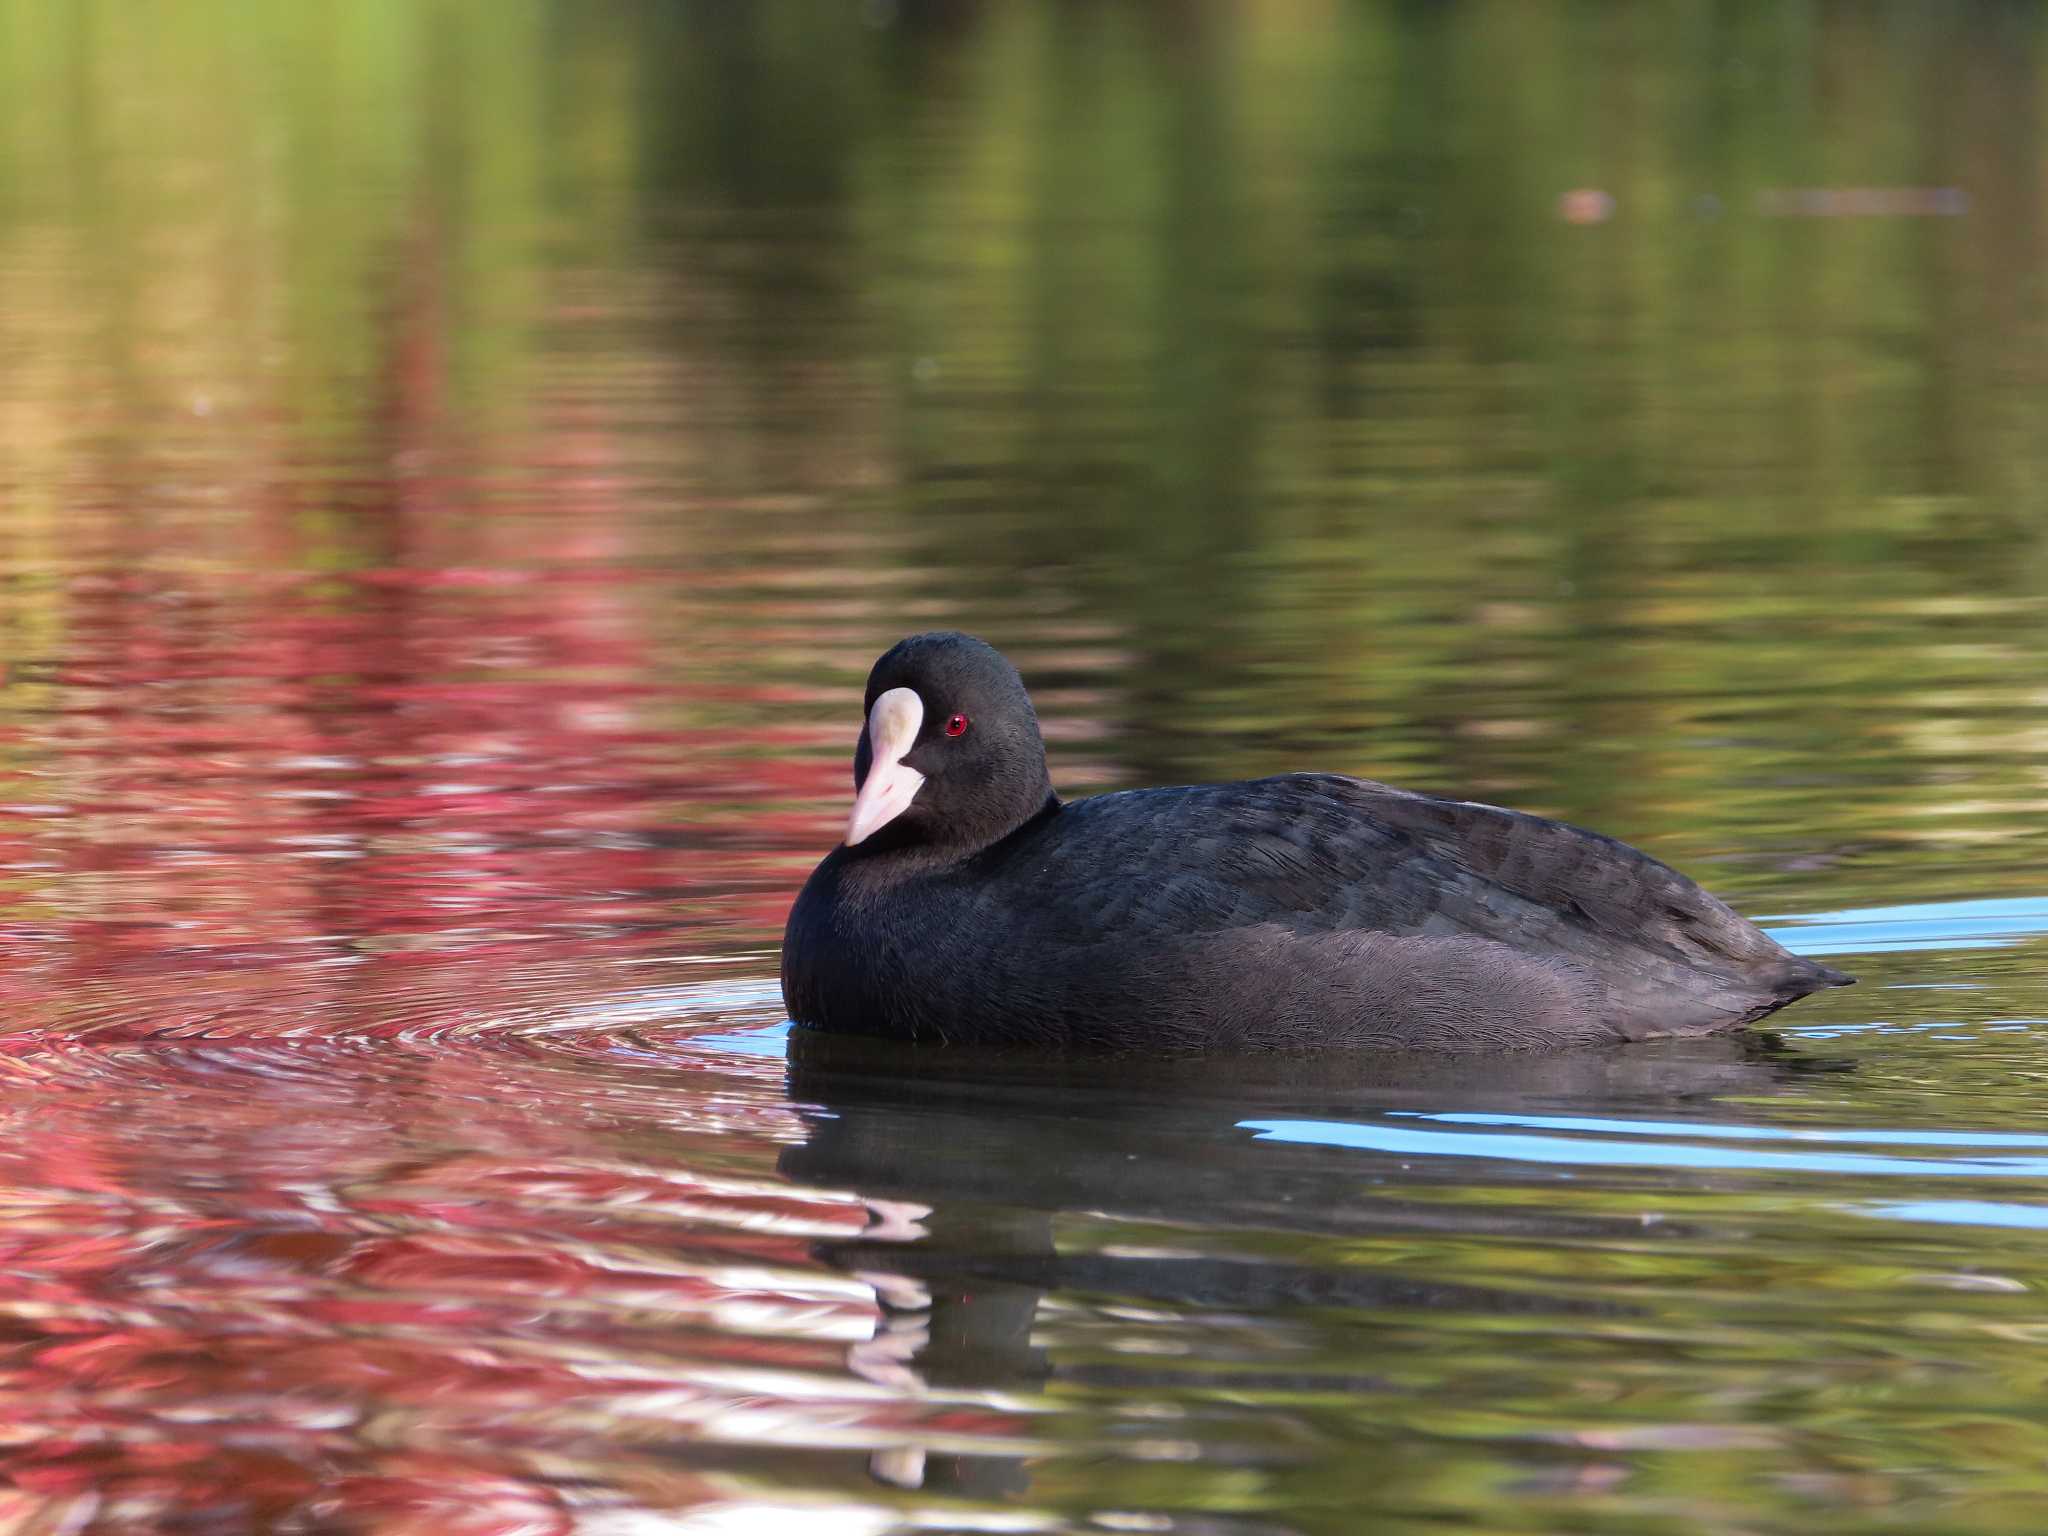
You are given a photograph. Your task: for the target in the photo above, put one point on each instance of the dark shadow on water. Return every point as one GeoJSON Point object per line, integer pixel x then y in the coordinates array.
{"type": "Point", "coordinates": [967, 1161]}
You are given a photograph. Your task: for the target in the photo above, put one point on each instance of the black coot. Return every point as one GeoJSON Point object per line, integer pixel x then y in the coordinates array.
{"type": "Point", "coordinates": [1305, 912]}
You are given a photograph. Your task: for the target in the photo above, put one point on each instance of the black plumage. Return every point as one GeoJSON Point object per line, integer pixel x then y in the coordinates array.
{"type": "Point", "coordinates": [1303, 912]}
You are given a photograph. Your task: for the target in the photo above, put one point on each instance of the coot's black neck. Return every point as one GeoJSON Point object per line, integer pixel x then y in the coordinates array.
{"type": "Point", "coordinates": [883, 859]}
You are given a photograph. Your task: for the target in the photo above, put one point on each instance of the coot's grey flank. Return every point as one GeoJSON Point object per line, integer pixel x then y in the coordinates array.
{"type": "Point", "coordinates": [1310, 911]}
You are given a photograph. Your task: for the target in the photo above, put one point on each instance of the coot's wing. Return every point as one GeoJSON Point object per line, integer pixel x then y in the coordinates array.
{"type": "Point", "coordinates": [1324, 853]}
{"type": "Point", "coordinates": [1529, 875]}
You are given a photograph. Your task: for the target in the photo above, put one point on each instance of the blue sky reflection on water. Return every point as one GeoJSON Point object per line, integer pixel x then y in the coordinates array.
{"type": "Point", "coordinates": [1990, 924]}
{"type": "Point", "coordinates": [1572, 1152]}
{"type": "Point", "coordinates": [1967, 1213]}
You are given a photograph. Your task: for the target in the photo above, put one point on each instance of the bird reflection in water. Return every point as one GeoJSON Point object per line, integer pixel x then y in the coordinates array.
{"type": "Point", "coordinates": [979, 1169]}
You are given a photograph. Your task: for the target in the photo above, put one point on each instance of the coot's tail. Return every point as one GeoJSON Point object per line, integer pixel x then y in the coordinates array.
{"type": "Point", "coordinates": [1790, 983]}
{"type": "Point", "coordinates": [1803, 976]}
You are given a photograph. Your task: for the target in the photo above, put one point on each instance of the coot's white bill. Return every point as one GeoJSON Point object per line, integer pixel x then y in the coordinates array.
{"type": "Point", "coordinates": [891, 785]}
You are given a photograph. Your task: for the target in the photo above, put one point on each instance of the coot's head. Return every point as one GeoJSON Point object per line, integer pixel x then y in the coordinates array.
{"type": "Point", "coordinates": [950, 757]}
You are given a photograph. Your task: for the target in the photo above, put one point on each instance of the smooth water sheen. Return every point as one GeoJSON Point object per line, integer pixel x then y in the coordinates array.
{"type": "Point", "coordinates": [457, 463]}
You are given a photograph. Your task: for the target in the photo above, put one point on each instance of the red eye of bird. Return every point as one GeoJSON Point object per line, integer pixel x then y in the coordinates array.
{"type": "Point", "coordinates": [957, 726]}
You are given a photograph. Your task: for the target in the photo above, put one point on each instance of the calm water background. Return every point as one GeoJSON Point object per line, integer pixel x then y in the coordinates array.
{"type": "Point", "coordinates": [457, 462]}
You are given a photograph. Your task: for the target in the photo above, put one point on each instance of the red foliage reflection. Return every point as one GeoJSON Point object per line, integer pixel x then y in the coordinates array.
{"type": "Point", "coordinates": [435, 822]}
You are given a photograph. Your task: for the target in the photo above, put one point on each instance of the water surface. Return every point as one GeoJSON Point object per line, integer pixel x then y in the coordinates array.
{"type": "Point", "coordinates": [456, 466]}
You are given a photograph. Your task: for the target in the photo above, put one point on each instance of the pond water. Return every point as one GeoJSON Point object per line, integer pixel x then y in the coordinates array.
{"type": "Point", "coordinates": [457, 463]}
